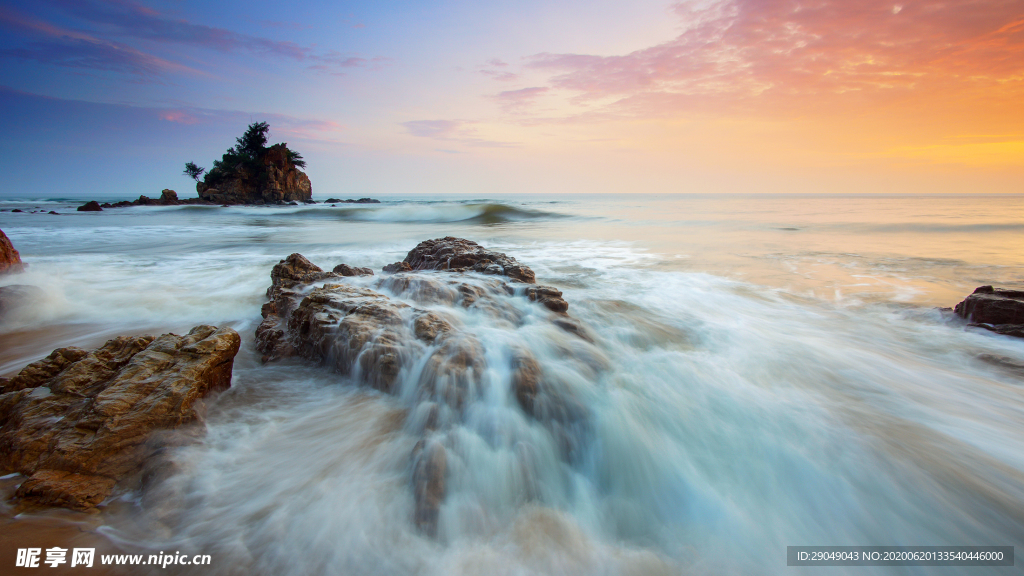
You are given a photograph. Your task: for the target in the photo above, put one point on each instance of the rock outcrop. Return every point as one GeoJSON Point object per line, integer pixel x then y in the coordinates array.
{"type": "Point", "coordinates": [10, 260]}
{"type": "Point", "coordinates": [994, 309]}
{"type": "Point", "coordinates": [280, 181]}
{"type": "Point", "coordinates": [78, 422]}
{"type": "Point", "coordinates": [351, 201]}
{"type": "Point", "coordinates": [457, 254]}
{"type": "Point", "coordinates": [381, 330]}
{"type": "Point", "coordinates": [167, 198]}
{"type": "Point", "coordinates": [90, 206]}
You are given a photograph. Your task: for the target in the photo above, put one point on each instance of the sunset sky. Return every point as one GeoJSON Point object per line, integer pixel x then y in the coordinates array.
{"type": "Point", "coordinates": [111, 98]}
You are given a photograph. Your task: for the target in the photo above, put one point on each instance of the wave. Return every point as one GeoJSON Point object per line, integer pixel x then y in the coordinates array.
{"type": "Point", "coordinates": [477, 213]}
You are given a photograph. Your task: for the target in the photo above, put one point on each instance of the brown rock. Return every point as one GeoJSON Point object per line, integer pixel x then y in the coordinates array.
{"type": "Point", "coordinates": [994, 309]}
{"type": "Point", "coordinates": [297, 269]}
{"type": "Point", "coordinates": [77, 422]}
{"type": "Point", "coordinates": [398, 267]}
{"type": "Point", "coordinates": [525, 380]}
{"type": "Point", "coordinates": [346, 270]}
{"type": "Point", "coordinates": [168, 197]}
{"type": "Point", "coordinates": [549, 297]}
{"type": "Point", "coordinates": [428, 327]}
{"type": "Point", "coordinates": [283, 182]}
{"type": "Point", "coordinates": [10, 260]}
{"type": "Point", "coordinates": [90, 206]}
{"type": "Point", "coordinates": [373, 338]}
{"type": "Point", "coordinates": [451, 253]}
{"type": "Point", "coordinates": [65, 489]}
{"type": "Point", "coordinates": [428, 479]}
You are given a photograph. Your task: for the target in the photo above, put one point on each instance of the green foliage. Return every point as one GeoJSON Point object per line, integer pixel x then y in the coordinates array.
{"type": "Point", "coordinates": [246, 158]}
{"type": "Point", "coordinates": [193, 171]}
{"type": "Point", "coordinates": [253, 144]}
{"type": "Point", "coordinates": [296, 158]}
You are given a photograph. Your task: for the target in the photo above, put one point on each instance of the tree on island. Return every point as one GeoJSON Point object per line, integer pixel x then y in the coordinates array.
{"type": "Point", "coordinates": [193, 171]}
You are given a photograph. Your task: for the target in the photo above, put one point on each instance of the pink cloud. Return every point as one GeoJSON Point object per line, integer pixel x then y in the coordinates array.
{"type": "Point", "coordinates": [126, 19]}
{"type": "Point", "coordinates": [517, 100]}
{"type": "Point", "coordinates": [792, 53]}
{"type": "Point", "coordinates": [178, 116]}
{"type": "Point", "coordinates": [495, 68]}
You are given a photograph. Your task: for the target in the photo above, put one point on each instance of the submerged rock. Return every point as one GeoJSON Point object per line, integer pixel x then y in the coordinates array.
{"type": "Point", "coordinates": [351, 201]}
{"type": "Point", "coordinates": [994, 309]}
{"type": "Point", "coordinates": [15, 296]}
{"type": "Point", "coordinates": [10, 260]}
{"type": "Point", "coordinates": [397, 333]}
{"type": "Point", "coordinates": [78, 421]}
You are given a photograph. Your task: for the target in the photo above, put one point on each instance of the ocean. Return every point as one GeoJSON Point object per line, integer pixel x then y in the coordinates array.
{"type": "Point", "coordinates": [767, 371]}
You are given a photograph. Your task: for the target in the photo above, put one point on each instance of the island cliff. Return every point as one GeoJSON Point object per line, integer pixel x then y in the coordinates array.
{"type": "Point", "coordinates": [280, 180]}
{"type": "Point", "coordinates": [251, 173]}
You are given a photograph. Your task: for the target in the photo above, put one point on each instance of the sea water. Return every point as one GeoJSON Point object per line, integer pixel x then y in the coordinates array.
{"type": "Point", "coordinates": [767, 371]}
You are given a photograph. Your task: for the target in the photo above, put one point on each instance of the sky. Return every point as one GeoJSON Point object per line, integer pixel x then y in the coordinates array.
{"type": "Point", "coordinates": [109, 98]}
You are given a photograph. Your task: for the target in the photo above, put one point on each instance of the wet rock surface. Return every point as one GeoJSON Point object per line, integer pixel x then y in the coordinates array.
{"type": "Point", "coordinates": [995, 309]}
{"type": "Point", "coordinates": [422, 335]}
{"type": "Point", "coordinates": [458, 254]}
{"type": "Point", "coordinates": [78, 422]}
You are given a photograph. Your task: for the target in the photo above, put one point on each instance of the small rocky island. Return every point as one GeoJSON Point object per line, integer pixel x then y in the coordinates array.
{"type": "Point", "coordinates": [251, 173]}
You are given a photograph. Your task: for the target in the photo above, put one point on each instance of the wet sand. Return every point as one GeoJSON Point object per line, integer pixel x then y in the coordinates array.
{"type": "Point", "coordinates": [48, 528]}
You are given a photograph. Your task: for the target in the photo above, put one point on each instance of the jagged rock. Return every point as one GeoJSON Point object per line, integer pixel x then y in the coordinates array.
{"type": "Point", "coordinates": [10, 260]}
{"type": "Point", "coordinates": [549, 297]}
{"type": "Point", "coordinates": [994, 309]}
{"type": "Point", "coordinates": [450, 253]}
{"type": "Point", "coordinates": [90, 206]}
{"type": "Point", "coordinates": [346, 270]}
{"type": "Point", "coordinates": [284, 182]}
{"type": "Point", "coordinates": [374, 330]}
{"type": "Point", "coordinates": [78, 422]}
{"type": "Point", "coordinates": [397, 267]}
{"type": "Point", "coordinates": [296, 268]}
{"type": "Point", "coordinates": [428, 327]}
{"type": "Point", "coordinates": [168, 197]}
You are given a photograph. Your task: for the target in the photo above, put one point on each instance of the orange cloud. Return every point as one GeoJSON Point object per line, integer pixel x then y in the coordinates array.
{"type": "Point", "coordinates": [788, 55]}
